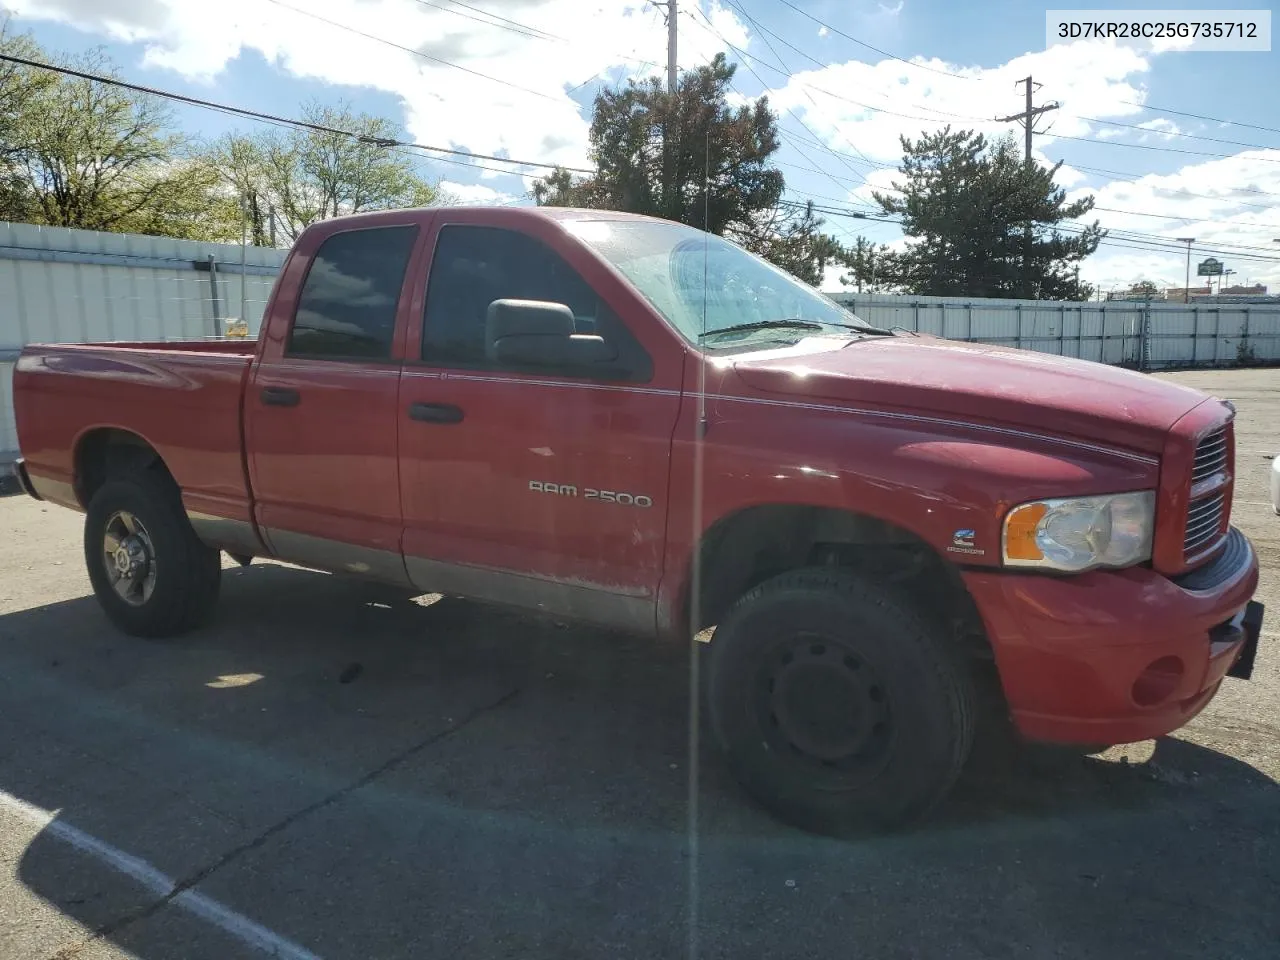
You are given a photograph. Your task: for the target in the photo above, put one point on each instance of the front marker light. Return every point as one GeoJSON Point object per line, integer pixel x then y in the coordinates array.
{"type": "Point", "coordinates": [1074, 534]}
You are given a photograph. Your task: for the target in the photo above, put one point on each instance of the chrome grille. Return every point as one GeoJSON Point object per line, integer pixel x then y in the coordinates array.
{"type": "Point", "coordinates": [1204, 522]}
{"type": "Point", "coordinates": [1206, 517]}
{"type": "Point", "coordinates": [1211, 456]}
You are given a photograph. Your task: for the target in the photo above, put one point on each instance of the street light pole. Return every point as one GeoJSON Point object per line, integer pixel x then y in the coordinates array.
{"type": "Point", "coordinates": [1186, 289]}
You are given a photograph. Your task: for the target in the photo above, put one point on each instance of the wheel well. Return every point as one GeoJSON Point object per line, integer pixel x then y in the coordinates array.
{"type": "Point", "coordinates": [106, 452]}
{"type": "Point", "coordinates": [749, 547]}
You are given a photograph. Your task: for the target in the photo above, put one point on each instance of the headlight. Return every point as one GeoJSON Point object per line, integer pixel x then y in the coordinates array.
{"type": "Point", "coordinates": [1080, 533]}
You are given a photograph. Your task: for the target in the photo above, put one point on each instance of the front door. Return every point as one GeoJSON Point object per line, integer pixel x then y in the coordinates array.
{"type": "Point", "coordinates": [543, 489]}
{"type": "Point", "coordinates": [320, 411]}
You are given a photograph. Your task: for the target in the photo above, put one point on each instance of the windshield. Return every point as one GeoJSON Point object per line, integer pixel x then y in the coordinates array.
{"type": "Point", "coordinates": [672, 265]}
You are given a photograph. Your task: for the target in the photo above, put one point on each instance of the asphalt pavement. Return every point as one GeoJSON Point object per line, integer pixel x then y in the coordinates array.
{"type": "Point", "coordinates": [333, 770]}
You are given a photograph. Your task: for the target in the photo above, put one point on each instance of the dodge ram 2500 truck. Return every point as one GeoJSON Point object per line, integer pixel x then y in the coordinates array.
{"type": "Point", "coordinates": [641, 426]}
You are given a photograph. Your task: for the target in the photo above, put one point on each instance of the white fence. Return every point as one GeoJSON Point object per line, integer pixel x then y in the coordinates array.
{"type": "Point", "coordinates": [1146, 336]}
{"type": "Point", "coordinates": [60, 285]}
{"type": "Point", "coordinates": [73, 286]}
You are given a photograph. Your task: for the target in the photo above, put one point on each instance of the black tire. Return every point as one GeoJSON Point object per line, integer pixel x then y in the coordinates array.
{"type": "Point", "coordinates": [186, 573]}
{"type": "Point", "coordinates": [839, 708]}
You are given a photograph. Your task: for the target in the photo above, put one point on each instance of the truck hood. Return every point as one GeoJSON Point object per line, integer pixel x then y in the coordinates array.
{"type": "Point", "coordinates": [1054, 395]}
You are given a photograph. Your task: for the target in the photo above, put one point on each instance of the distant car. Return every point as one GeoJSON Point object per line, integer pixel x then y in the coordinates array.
{"type": "Point", "coordinates": [1275, 485]}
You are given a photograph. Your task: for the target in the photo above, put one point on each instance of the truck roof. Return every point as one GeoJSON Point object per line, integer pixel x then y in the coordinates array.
{"type": "Point", "coordinates": [501, 214]}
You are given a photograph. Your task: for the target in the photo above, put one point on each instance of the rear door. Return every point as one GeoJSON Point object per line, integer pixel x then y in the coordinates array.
{"type": "Point", "coordinates": [535, 488]}
{"type": "Point", "coordinates": [321, 407]}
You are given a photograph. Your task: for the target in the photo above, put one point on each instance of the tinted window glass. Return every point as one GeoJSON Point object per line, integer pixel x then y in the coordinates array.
{"type": "Point", "coordinates": [474, 266]}
{"type": "Point", "coordinates": [347, 309]}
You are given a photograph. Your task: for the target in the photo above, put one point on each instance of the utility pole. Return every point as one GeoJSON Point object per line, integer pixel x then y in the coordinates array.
{"type": "Point", "coordinates": [1028, 120]}
{"type": "Point", "coordinates": [244, 250]}
{"type": "Point", "coordinates": [671, 8]}
{"type": "Point", "coordinates": [672, 78]}
{"type": "Point", "coordinates": [1186, 289]}
{"type": "Point", "coordinates": [672, 12]}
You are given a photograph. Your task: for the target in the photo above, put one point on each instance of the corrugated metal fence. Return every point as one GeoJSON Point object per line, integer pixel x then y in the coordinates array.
{"type": "Point", "coordinates": [74, 286]}
{"type": "Point", "coordinates": [1146, 336]}
{"type": "Point", "coordinates": [59, 285]}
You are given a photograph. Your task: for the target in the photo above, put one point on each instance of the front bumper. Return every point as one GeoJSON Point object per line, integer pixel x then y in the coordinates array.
{"type": "Point", "coordinates": [1119, 656]}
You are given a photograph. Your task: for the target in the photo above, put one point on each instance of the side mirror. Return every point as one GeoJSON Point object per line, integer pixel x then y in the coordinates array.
{"type": "Point", "coordinates": [539, 333]}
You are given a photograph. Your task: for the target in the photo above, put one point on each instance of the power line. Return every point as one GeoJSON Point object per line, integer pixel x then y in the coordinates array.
{"type": "Point", "coordinates": [1199, 116]}
{"type": "Point", "coordinates": [862, 43]}
{"type": "Point", "coordinates": [1219, 246]}
{"type": "Point", "coordinates": [1155, 244]}
{"type": "Point", "coordinates": [945, 114]}
{"type": "Point", "coordinates": [1169, 216]}
{"type": "Point", "coordinates": [956, 116]}
{"type": "Point", "coordinates": [1119, 238]}
{"type": "Point", "coordinates": [502, 23]}
{"type": "Point", "coordinates": [809, 96]}
{"type": "Point", "coordinates": [1146, 146]}
{"type": "Point", "coordinates": [836, 96]}
{"type": "Point", "coordinates": [785, 72]}
{"type": "Point", "coordinates": [416, 53]}
{"type": "Point", "coordinates": [1137, 178]}
{"type": "Point", "coordinates": [1170, 133]}
{"type": "Point", "coordinates": [523, 29]}
{"type": "Point", "coordinates": [285, 121]}
{"type": "Point", "coordinates": [468, 156]}
{"type": "Point", "coordinates": [715, 33]}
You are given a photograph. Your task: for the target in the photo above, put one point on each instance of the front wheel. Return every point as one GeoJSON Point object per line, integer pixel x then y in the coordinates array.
{"type": "Point", "coordinates": [150, 572]}
{"type": "Point", "coordinates": [838, 707]}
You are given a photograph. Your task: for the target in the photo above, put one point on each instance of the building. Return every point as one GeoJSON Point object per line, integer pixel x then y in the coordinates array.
{"type": "Point", "coordinates": [1257, 293]}
{"type": "Point", "coordinates": [1179, 294]}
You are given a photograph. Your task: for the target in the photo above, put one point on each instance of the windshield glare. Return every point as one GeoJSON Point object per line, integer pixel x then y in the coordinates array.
{"type": "Point", "coordinates": [672, 265]}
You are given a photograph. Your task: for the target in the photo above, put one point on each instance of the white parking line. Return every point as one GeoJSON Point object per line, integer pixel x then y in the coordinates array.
{"type": "Point", "coordinates": [234, 924]}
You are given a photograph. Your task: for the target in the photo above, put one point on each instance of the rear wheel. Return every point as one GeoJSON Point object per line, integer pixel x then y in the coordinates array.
{"type": "Point", "coordinates": [839, 709]}
{"type": "Point", "coordinates": [150, 573]}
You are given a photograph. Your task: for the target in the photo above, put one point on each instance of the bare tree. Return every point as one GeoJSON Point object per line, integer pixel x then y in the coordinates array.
{"type": "Point", "coordinates": [292, 179]}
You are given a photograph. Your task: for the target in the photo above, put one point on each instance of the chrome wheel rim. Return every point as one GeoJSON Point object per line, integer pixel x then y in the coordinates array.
{"type": "Point", "coordinates": [129, 558]}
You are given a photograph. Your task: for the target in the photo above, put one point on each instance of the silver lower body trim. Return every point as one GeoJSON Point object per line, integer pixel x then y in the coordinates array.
{"type": "Point", "coordinates": [584, 604]}
{"type": "Point", "coordinates": [336, 557]}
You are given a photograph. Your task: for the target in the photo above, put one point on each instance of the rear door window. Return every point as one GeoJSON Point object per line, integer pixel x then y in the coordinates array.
{"type": "Point", "coordinates": [347, 307]}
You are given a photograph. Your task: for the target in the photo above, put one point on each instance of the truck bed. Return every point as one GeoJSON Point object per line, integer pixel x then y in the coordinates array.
{"type": "Point", "coordinates": [181, 397]}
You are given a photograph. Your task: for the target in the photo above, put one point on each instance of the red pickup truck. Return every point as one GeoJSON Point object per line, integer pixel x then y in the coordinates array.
{"type": "Point", "coordinates": [638, 425]}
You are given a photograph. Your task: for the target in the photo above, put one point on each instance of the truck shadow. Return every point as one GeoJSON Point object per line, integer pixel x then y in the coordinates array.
{"type": "Point", "coordinates": [475, 781]}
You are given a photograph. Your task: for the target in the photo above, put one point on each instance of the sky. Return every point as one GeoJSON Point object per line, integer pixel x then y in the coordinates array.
{"type": "Point", "coordinates": [1171, 143]}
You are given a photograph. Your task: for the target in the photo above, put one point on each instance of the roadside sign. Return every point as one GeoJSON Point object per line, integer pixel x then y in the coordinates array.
{"type": "Point", "coordinates": [1209, 268]}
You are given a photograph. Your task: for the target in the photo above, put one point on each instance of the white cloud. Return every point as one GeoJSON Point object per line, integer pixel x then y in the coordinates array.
{"type": "Point", "coordinates": [868, 105]}
{"type": "Point", "coordinates": [1067, 176]}
{"type": "Point", "coordinates": [443, 105]}
{"type": "Point", "coordinates": [895, 99]}
{"type": "Point", "coordinates": [475, 193]}
{"type": "Point", "coordinates": [824, 32]}
{"type": "Point", "coordinates": [872, 105]}
{"type": "Point", "coordinates": [1166, 129]}
{"type": "Point", "coordinates": [1231, 205]}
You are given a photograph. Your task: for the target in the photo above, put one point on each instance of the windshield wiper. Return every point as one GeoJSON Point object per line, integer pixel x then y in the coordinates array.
{"type": "Point", "coordinates": [764, 325]}
{"type": "Point", "coordinates": [792, 324]}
